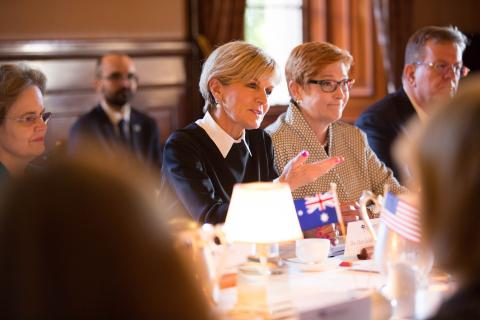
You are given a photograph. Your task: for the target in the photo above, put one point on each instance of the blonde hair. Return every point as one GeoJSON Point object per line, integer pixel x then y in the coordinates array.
{"type": "Point", "coordinates": [234, 62]}
{"type": "Point", "coordinates": [307, 59]}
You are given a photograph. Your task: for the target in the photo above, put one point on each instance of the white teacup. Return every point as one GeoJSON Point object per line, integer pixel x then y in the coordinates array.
{"type": "Point", "coordinates": [312, 250]}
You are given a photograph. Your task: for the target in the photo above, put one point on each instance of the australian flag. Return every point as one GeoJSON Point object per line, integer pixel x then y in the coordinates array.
{"type": "Point", "coordinates": [316, 211]}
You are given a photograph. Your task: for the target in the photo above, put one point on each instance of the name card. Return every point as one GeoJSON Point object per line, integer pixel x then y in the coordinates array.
{"type": "Point", "coordinates": [358, 237]}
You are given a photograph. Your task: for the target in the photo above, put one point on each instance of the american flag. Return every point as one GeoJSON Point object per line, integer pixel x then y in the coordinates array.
{"type": "Point", "coordinates": [402, 217]}
{"type": "Point", "coordinates": [316, 211]}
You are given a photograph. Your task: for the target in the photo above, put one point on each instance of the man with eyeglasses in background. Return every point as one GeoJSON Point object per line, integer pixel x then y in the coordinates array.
{"type": "Point", "coordinates": [114, 122]}
{"type": "Point", "coordinates": [432, 70]}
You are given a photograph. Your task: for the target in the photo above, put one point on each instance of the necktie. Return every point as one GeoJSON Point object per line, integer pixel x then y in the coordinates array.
{"type": "Point", "coordinates": [123, 132]}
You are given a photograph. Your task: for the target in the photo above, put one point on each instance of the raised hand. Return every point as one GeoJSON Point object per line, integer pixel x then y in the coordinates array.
{"type": "Point", "coordinates": [298, 173]}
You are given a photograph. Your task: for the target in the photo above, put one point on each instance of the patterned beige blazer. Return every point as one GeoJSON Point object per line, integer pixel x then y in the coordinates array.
{"type": "Point", "coordinates": [362, 170]}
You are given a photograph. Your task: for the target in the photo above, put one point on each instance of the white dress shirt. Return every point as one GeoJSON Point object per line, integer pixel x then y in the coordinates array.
{"type": "Point", "coordinates": [222, 140]}
{"type": "Point", "coordinates": [116, 115]}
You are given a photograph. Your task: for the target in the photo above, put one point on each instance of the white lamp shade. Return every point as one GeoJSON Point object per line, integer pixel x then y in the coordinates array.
{"type": "Point", "coordinates": [262, 212]}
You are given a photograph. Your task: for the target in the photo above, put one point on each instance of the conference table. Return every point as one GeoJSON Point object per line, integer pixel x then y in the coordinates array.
{"type": "Point", "coordinates": [332, 291]}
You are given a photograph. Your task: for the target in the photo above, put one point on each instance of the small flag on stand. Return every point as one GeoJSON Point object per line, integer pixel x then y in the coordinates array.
{"type": "Point", "coordinates": [401, 217]}
{"type": "Point", "coordinates": [317, 210]}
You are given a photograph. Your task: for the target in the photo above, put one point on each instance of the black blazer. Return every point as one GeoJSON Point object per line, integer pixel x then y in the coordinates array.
{"type": "Point", "coordinates": [4, 175]}
{"type": "Point", "coordinates": [95, 126]}
{"type": "Point", "coordinates": [383, 122]}
{"type": "Point", "coordinates": [202, 179]}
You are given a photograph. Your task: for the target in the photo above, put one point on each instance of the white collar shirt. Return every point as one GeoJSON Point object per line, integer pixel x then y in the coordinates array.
{"type": "Point", "coordinates": [114, 115]}
{"type": "Point", "coordinates": [222, 140]}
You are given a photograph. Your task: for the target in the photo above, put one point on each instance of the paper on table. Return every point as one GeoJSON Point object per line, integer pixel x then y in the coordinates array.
{"type": "Point", "coordinates": [365, 266]}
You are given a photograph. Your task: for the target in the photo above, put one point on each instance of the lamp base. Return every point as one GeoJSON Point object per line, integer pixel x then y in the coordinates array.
{"type": "Point", "coordinates": [262, 292]}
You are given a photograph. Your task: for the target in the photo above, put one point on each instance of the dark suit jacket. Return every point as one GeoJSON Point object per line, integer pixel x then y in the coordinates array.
{"type": "Point", "coordinates": [202, 179]}
{"type": "Point", "coordinates": [96, 127]}
{"type": "Point", "coordinates": [383, 122]}
{"type": "Point", "coordinates": [4, 175]}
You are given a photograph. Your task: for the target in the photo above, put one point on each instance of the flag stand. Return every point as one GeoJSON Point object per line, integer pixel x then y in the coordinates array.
{"type": "Point", "coordinates": [333, 190]}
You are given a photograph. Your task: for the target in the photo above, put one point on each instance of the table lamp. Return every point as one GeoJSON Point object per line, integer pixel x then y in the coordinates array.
{"type": "Point", "coordinates": [263, 214]}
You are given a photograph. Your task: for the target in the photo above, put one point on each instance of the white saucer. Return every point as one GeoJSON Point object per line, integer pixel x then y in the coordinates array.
{"type": "Point", "coordinates": [328, 264]}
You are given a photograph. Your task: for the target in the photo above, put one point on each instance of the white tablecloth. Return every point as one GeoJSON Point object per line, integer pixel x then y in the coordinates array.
{"type": "Point", "coordinates": [314, 290]}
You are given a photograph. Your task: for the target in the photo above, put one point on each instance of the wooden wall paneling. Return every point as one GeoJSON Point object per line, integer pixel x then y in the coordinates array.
{"type": "Point", "coordinates": [358, 104]}
{"type": "Point", "coordinates": [463, 14]}
{"type": "Point", "coordinates": [92, 19]}
{"type": "Point", "coordinates": [316, 20]}
{"type": "Point", "coordinates": [162, 66]}
{"type": "Point", "coordinates": [166, 105]}
{"type": "Point", "coordinates": [349, 25]}
{"type": "Point", "coordinates": [166, 119]}
{"type": "Point", "coordinates": [338, 23]}
{"type": "Point", "coordinates": [361, 46]}
{"type": "Point", "coordinates": [370, 79]}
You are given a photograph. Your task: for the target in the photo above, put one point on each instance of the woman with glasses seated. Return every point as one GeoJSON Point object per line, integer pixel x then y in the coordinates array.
{"type": "Point", "coordinates": [317, 75]}
{"type": "Point", "coordinates": [23, 120]}
{"type": "Point", "coordinates": [203, 161]}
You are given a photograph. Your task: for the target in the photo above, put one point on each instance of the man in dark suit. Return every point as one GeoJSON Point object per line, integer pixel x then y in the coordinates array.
{"type": "Point", "coordinates": [432, 70]}
{"type": "Point", "coordinates": [113, 122]}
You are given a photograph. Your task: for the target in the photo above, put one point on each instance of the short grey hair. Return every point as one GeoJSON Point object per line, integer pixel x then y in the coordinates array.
{"type": "Point", "coordinates": [417, 41]}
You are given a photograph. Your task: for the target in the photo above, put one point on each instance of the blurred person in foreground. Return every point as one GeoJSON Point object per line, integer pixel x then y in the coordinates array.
{"type": "Point", "coordinates": [84, 239]}
{"type": "Point", "coordinates": [448, 168]}
{"type": "Point", "coordinates": [203, 161]}
{"type": "Point", "coordinates": [432, 70]}
{"type": "Point", "coordinates": [23, 120]}
{"type": "Point", "coordinates": [317, 75]}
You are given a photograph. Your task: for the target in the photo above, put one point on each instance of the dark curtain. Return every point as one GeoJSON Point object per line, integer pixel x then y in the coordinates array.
{"type": "Point", "coordinates": [219, 21]}
{"type": "Point", "coordinates": [392, 21]}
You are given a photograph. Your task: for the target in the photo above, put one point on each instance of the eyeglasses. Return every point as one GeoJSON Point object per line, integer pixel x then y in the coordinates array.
{"type": "Point", "coordinates": [332, 85]}
{"type": "Point", "coordinates": [118, 76]}
{"type": "Point", "coordinates": [442, 68]}
{"type": "Point", "coordinates": [31, 119]}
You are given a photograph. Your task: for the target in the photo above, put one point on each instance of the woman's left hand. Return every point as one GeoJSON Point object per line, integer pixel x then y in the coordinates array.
{"type": "Point", "coordinates": [298, 173]}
